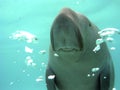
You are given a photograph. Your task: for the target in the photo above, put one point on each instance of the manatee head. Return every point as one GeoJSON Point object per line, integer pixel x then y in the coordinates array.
{"type": "Point", "coordinates": [71, 31]}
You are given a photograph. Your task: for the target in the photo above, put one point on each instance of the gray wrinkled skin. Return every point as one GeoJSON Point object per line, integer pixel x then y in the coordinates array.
{"type": "Point", "coordinates": [71, 56]}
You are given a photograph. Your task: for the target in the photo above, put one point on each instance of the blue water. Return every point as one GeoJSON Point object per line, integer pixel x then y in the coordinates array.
{"type": "Point", "coordinates": [36, 16]}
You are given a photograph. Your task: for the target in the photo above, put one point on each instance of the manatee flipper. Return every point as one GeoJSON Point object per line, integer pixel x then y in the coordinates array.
{"type": "Point", "coordinates": [50, 82]}
{"type": "Point", "coordinates": [107, 77]}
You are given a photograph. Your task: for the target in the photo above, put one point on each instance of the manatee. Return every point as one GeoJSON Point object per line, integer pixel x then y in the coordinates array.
{"type": "Point", "coordinates": [72, 64]}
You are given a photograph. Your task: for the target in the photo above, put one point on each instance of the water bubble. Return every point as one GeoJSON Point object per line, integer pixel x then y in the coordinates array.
{"type": "Point", "coordinates": [99, 41]}
{"type": "Point", "coordinates": [109, 39]}
{"type": "Point", "coordinates": [39, 79]}
{"type": "Point", "coordinates": [93, 74]}
{"type": "Point", "coordinates": [28, 50]}
{"type": "Point", "coordinates": [18, 51]}
{"type": "Point", "coordinates": [97, 48]}
{"type": "Point", "coordinates": [42, 52]}
{"type": "Point", "coordinates": [108, 31]}
{"type": "Point", "coordinates": [11, 83]}
{"type": "Point", "coordinates": [28, 75]}
{"type": "Point", "coordinates": [114, 89]}
{"type": "Point", "coordinates": [23, 71]}
{"type": "Point", "coordinates": [95, 69]}
{"type": "Point", "coordinates": [29, 61]}
{"type": "Point", "coordinates": [14, 62]}
{"type": "Point", "coordinates": [104, 77]}
{"type": "Point", "coordinates": [56, 55]}
{"type": "Point", "coordinates": [22, 35]}
{"type": "Point", "coordinates": [51, 76]}
{"type": "Point", "coordinates": [106, 35]}
{"type": "Point", "coordinates": [40, 69]}
{"type": "Point", "coordinates": [112, 48]}
{"type": "Point", "coordinates": [77, 2]}
{"type": "Point", "coordinates": [88, 75]}
{"type": "Point", "coordinates": [43, 64]}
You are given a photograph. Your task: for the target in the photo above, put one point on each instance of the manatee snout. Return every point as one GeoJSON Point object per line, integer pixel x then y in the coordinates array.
{"type": "Point", "coordinates": [65, 34]}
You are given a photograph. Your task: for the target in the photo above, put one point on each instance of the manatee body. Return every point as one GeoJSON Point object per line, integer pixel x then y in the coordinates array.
{"type": "Point", "coordinates": [72, 63]}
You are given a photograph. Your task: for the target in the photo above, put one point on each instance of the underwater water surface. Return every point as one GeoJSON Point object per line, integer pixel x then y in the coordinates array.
{"type": "Point", "coordinates": [23, 62]}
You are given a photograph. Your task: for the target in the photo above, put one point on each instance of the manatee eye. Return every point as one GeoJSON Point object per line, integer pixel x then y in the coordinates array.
{"type": "Point", "coordinates": [90, 25]}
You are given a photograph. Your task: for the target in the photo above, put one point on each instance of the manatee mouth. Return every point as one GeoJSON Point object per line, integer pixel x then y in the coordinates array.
{"type": "Point", "coordinates": [67, 49]}
{"type": "Point", "coordinates": [65, 34]}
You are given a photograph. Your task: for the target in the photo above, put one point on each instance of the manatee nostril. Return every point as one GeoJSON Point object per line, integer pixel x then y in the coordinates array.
{"type": "Point", "coordinates": [65, 34]}
{"type": "Point", "coordinates": [90, 25]}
